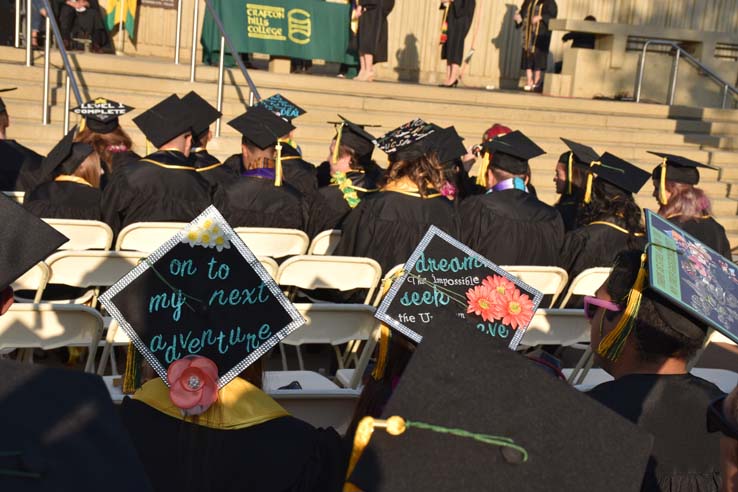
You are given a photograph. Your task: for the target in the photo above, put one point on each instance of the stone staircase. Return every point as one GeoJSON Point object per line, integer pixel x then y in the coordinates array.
{"type": "Point", "coordinates": [628, 130]}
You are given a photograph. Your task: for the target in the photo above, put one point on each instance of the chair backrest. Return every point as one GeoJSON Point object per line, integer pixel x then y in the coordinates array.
{"type": "Point", "coordinates": [92, 268]}
{"type": "Point", "coordinates": [325, 242]}
{"type": "Point", "coordinates": [274, 242]}
{"type": "Point", "coordinates": [333, 323]}
{"type": "Point", "coordinates": [147, 236]}
{"type": "Point", "coordinates": [16, 196]}
{"type": "Point", "coordinates": [34, 279]}
{"type": "Point", "coordinates": [387, 283]}
{"type": "Point", "coordinates": [50, 326]}
{"type": "Point", "coordinates": [83, 234]}
{"type": "Point", "coordinates": [271, 266]}
{"type": "Point", "coordinates": [330, 272]}
{"type": "Point", "coordinates": [557, 327]}
{"type": "Point", "coordinates": [547, 279]}
{"type": "Point", "coordinates": [586, 283]}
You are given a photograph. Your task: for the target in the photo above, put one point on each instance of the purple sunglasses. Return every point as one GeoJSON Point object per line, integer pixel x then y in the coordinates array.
{"type": "Point", "coordinates": [591, 304]}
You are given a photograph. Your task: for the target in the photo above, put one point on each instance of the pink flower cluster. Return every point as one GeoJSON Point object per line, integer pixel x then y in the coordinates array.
{"type": "Point", "coordinates": [497, 299]}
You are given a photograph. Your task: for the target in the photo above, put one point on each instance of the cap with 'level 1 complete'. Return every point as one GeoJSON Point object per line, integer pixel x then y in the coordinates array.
{"type": "Point", "coordinates": [101, 114]}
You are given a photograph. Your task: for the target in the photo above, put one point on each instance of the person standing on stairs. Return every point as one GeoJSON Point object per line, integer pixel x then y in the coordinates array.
{"type": "Point", "coordinates": [457, 18]}
{"type": "Point", "coordinates": [373, 32]}
{"type": "Point", "coordinates": [533, 17]}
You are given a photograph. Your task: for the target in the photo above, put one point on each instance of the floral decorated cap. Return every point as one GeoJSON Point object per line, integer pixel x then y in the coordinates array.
{"type": "Point", "coordinates": [101, 114]}
{"type": "Point", "coordinates": [202, 293]}
{"type": "Point", "coordinates": [282, 107]}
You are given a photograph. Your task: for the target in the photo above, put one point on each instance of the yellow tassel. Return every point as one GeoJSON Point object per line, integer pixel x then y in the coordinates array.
{"type": "Point", "coordinates": [82, 125]}
{"type": "Point", "coordinates": [148, 147]}
{"type": "Point", "coordinates": [278, 165]}
{"type": "Point", "coordinates": [590, 179]}
{"type": "Point", "coordinates": [611, 346]}
{"type": "Point", "coordinates": [569, 172]}
{"type": "Point", "coordinates": [394, 426]}
{"type": "Point", "coordinates": [337, 147]}
{"type": "Point", "coordinates": [662, 183]}
{"type": "Point", "coordinates": [483, 166]}
{"type": "Point", "coordinates": [381, 365]}
{"type": "Point", "coordinates": [130, 378]}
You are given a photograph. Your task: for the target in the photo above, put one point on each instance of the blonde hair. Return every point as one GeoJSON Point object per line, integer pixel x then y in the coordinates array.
{"type": "Point", "coordinates": [425, 172]}
{"type": "Point", "coordinates": [90, 170]}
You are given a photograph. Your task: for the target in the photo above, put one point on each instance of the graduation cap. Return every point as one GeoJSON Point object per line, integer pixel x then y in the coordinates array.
{"type": "Point", "coordinates": [404, 143]}
{"type": "Point", "coordinates": [355, 137]}
{"type": "Point", "coordinates": [578, 155]}
{"type": "Point", "coordinates": [164, 121]}
{"type": "Point", "coordinates": [678, 169]}
{"type": "Point", "coordinates": [619, 176]}
{"type": "Point", "coordinates": [447, 144]}
{"type": "Point", "coordinates": [2, 104]}
{"type": "Point", "coordinates": [469, 417]}
{"type": "Point", "coordinates": [282, 107]}
{"type": "Point", "coordinates": [512, 151]}
{"type": "Point", "coordinates": [101, 114]}
{"type": "Point", "coordinates": [27, 241]}
{"type": "Point", "coordinates": [203, 114]}
{"type": "Point", "coordinates": [492, 133]}
{"type": "Point", "coordinates": [204, 293]}
{"type": "Point", "coordinates": [62, 432]}
{"type": "Point", "coordinates": [66, 155]}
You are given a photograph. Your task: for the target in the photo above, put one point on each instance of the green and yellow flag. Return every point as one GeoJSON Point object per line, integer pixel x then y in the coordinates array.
{"type": "Point", "coordinates": [118, 8]}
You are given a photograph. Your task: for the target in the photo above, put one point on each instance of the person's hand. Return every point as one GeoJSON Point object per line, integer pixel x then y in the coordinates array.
{"type": "Point", "coordinates": [536, 20]}
{"type": "Point", "coordinates": [357, 12]}
{"type": "Point", "coordinates": [518, 18]}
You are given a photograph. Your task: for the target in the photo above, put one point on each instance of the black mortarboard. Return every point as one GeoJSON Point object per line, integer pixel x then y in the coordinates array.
{"type": "Point", "coordinates": [2, 104]}
{"type": "Point", "coordinates": [512, 151]}
{"type": "Point", "coordinates": [678, 169]}
{"type": "Point", "coordinates": [203, 114]}
{"type": "Point", "coordinates": [165, 121]}
{"type": "Point", "coordinates": [101, 114]}
{"type": "Point", "coordinates": [447, 144]}
{"type": "Point", "coordinates": [452, 409]}
{"type": "Point", "coordinates": [203, 292]}
{"type": "Point", "coordinates": [405, 142]}
{"type": "Point", "coordinates": [355, 137]}
{"type": "Point", "coordinates": [261, 126]}
{"type": "Point", "coordinates": [623, 175]}
{"type": "Point", "coordinates": [66, 155]}
{"type": "Point", "coordinates": [61, 432]}
{"type": "Point", "coordinates": [282, 107]}
{"type": "Point", "coordinates": [582, 154]}
{"type": "Point", "coordinates": [26, 241]}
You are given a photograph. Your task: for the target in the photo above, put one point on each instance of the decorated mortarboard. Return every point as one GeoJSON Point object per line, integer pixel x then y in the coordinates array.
{"type": "Point", "coordinates": [101, 114]}
{"type": "Point", "coordinates": [203, 114]}
{"type": "Point", "coordinates": [512, 151]}
{"type": "Point", "coordinates": [66, 156]}
{"type": "Point", "coordinates": [27, 240]}
{"type": "Point", "coordinates": [678, 169]}
{"type": "Point", "coordinates": [354, 136]}
{"type": "Point", "coordinates": [57, 423]}
{"type": "Point", "coordinates": [204, 293]}
{"type": "Point", "coordinates": [165, 121]}
{"type": "Point", "coordinates": [405, 142]}
{"type": "Point", "coordinates": [445, 285]}
{"type": "Point", "coordinates": [447, 144]}
{"type": "Point", "coordinates": [2, 104]}
{"type": "Point", "coordinates": [467, 416]}
{"type": "Point", "coordinates": [282, 107]}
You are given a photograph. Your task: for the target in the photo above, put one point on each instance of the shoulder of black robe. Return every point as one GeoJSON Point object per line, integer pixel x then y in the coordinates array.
{"type": "Point", "coordinates": [568, 208]}
{"type": "Point", "coordinates": [23, 163]}
{"type": "Point", "coordinates": [323, 174]}
{"type": "Point", "coordinates": [280, 455]}
{"type": "Point", "coordinates": [64, 200]}
{"type": "Point", "coordinates": [212, 170]}
{"type": "Point", "coordinates": [11, 162]}
{"type": "Point", "coordinates": [684, 456]}
{"type": "Point", "coordinates": [300, 174]}
{"type": "Point", "coordinates": [387, 226]}
{"type": "Point", "coordinates": [256, 202]}
{"type": "Point", "coordinates": [235, 163]}
{"type": "Point", "coordinates": [121, 158]}
{"type": "Point", "coordinates": [512, 227]}
{"type": "Point", "coordinates": [708, 231]}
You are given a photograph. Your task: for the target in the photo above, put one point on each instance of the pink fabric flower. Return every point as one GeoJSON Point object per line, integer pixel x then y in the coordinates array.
{"type": "Point", "coordinates": [498, 284]}
{"type": "Point", "coordinates": [514, 309]}
{"type": "Point", "coordinates": [448, 190]}
{"type": "Point", "coordinates": [481, 301]}
{"type": "Point", "coordinates": [193, 384]}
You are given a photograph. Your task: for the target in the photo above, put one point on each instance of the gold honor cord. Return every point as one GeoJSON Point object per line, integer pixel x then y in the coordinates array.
{"type": "Point", "coordinates": [337, 146]}
{"type": "Point", "coordinates": [385, 334]}
{"type": "Point", "coordinates": [616, 227]}
{"type": "Point", "coordinates": [662, 183]}
{"type": "Point", "coordinates": [73, 179]}
{"type": "Point", "coordinates": [208, 168]}
{"type": "Point", "coordinates": [570, 172]}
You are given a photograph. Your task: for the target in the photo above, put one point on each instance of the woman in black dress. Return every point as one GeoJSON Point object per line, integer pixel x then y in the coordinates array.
{"type": "Point", "coordinates": [458, 15]}
{"type": "Point", "coordinates": [686, 205]}
{"type": "Point", "coordinates": [372, 35]}
{"type": "Point", "coordinates": [533, 17]}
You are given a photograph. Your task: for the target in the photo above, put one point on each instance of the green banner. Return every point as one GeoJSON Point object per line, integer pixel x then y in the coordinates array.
{"type": "Point", "coordinates": [307, 29]}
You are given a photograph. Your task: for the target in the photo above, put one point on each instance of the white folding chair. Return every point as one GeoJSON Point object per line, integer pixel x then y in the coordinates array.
{"type": "Point", "coordinates": [16, 196]}
{"type": "Point", "coordinates": [586, 283]}
{"type": "Point", "coordinates": [147, 236]}
{"type": "Point", "coordinates": [274, 242]}
{"type": "Point", "coordinates": [270, 265]}
{"type": "Point", "coordinates": [325, 242]}
{"type": "Point", "coordinates": [564, 327]}
{"type": "Point", "coordinates": [83, 234]}
{"type": "Point", "coordinates": [51, 326]}
{"type": "Point", "coordinates": [36, 279]}
{"type": "Point", "coordinates": [548, 280]}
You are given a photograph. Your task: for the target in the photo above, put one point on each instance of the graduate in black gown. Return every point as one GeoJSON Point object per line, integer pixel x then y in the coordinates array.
{"type": "Point", "coordinates": [165, 185]}
{"type": "Point", "coordinates": [388, 225]}
{"type": "Point", "coordinates": [569, 179]}
{"type": "Point", "coordinates": [72, 185]}
{"type": "Point", "coordinates": [261, 197]}
{"type": "Point", "coordinates": [450, 151]}
{"type": "Point", "coordinates": [203, 115]}
{"type": "Point", "coordinates": [19, 166]}
{"type": "Point", "coordinates": [458, 15]}
{"type": "Point", "coordinates": [509, 225]}
{"type": "Point", "coordinates": [373, 33]}
{"type": "Point", "coordinates": [610, 220]}
{"type": "Point", "coordinates": [680, 201]}
{"type": "Point", "coordinates": [533, 18]}
{"type": "Point", "coordinates": [653, 387]}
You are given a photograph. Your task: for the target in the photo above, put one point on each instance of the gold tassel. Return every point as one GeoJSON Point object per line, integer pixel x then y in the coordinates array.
{"type": "Point", "coordinates": [278, 165]}
{"type": "Point", "coordinates": [337, 147]}
{"type": "Point", "coordinates": [385, 336]}
{"type": "Point", "coordinates": [148, 147]}
{"type": "Point", "coordinates": [394, 426]}
{"type": "Point", "coordinates": [590, 179]}
{"type": "Point", "coordinates": [569, 172]}
{"type": "Point", "coordinates": [662, 183]}
{"type": "Point", "coordinates": [131, 378]}
{"type": "Point", "coordinates": [82, 125]}
{"type": "Point", "coordinates": [611, 346]}
{"type": "Point", "coordinates": [483, 166]}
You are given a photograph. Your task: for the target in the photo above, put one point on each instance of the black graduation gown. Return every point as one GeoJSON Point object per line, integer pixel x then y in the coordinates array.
{"type": "Point", "coordinates": [459, 19]}
{"type": "Point", "coordinates": [281, 455]}
{"type": "Point", "coordinates": [298, 173]}
{"type": "Point", "coordinates": [154, 189]}
{"type": "Point", "coordinates": [373, 30]}
{"type": "Point", "coordinates": [512, 227]}
{"type": "Point", "coordinates": [537, 59]}
{"type": "Point", "coordinates": [19, 167]}
{"type": "Point", "coordinates": [64, 200]}
{"type": "Point", "coordinates": [708, 231]}
{"type": "Point", "coordinates": [212, 170]}
{"type": "Point", "coordinates": [685, 457]}
{"type": "Point", "coordinates": [335, 206]}
{"type": "Point", "coordinates": [256, 202]}
{"type": "Point", "coordinates": [594, 245]}
{"type": "Point", "coordinates": [387, 226]}
{"type": "Point", "coordinates": [568, 208]}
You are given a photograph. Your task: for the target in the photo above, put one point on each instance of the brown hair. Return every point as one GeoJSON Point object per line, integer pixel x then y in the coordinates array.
{"type": "Point", "coordinates": [354, 163]}
{"type": "Point", "coordinates": [4, 120]}
{"type": "Point", "coordinates": [425, 172]}
{"type": "Point", "coordinates": [90, 170]}
{"type": "Point", "coordinates": [103, 143]}
{"type": "Point", "coordinates": [686, 202]}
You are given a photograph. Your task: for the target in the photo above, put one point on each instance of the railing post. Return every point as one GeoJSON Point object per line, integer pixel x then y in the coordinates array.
{"type": "Point", "coordinates": [178, 34]}
{"type": "Point", "coordinates": [674, 74]}
{"type": "Point", "coordinates": [17, 23]}
{"type": "Point", "coordinates": [29, 36]}
{"type": "Point", "coordinates": [121, 33]}
{"type": "Point", "coordinates": [641, 68]}
{"type": "Point", "coordinates": [195, 15]}
{"type": "Point", "coordinates": [47, 56]}
{"type": "Point", "coordinates": [67, 84]}
{"type": "Point", "coordinates": [725, 96]}
{"type": "Point", "coordinates": [219, 102]}
{"type": "Point", "coordinates": [251, 98]}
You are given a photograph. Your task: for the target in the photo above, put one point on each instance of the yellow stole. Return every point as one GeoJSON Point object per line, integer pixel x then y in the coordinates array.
{"type": "Point", "coordinates": [407, 187]}
{"type": "Point", "coordinates": [73, 179]}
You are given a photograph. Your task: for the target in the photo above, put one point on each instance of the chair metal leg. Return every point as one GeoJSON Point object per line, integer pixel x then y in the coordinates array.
{"type": "Point", "coordinates": [582, 361]}
{"type": "Point", "coordinates": [299, 358]}
{"type": "Point", "coordinates": [284, 357]}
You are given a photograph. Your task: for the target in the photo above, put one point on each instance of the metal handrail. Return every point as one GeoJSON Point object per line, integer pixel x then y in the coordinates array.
{"type": "Point", "coordinates": [680, 52]}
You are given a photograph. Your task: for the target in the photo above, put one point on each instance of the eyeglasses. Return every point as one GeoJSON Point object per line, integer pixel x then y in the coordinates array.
{"type": "Point", "coordinates": [592, 304]}
{"type": "Point", "coordinates": [717, 421]}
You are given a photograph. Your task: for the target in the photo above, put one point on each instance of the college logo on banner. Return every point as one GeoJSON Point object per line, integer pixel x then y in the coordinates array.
{"type": "Point", "coordinates": [299, 26]}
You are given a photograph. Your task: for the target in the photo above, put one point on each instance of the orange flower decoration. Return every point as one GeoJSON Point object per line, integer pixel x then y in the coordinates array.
{"type": "Point", "coordinates": [498, 284]}
{"type": "Point", "coordinates": [193, 384]}
{"type": "Point", "coordinates": [514, 309]}
{"type": "Point", "coordinates": [481, 302]}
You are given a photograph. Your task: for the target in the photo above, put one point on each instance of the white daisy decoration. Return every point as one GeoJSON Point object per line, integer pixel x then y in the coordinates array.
{"type": "Point", "coordinates": [193, 236]}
